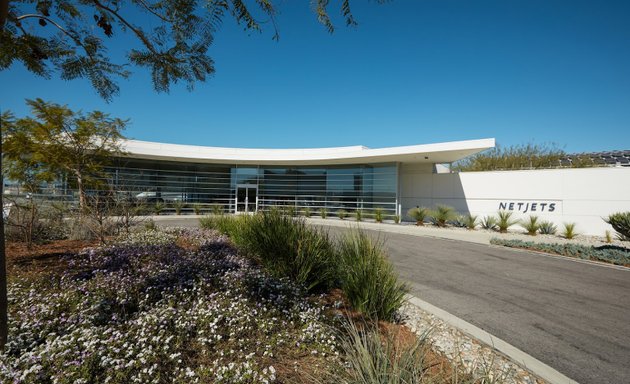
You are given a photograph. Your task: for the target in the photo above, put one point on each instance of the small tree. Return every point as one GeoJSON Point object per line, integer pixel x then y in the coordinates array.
{"type": "Point", "coordinates": [57, 140]}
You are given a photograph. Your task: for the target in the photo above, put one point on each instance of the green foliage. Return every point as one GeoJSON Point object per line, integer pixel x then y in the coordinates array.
{"type": "Point", "coordinates": [368, 278]}
{"type": "Point", "coordinates": [56, 141]}
{"type": "Point", "coordinates": [178, 205]}
{"type": "Point", "coordinates": [620, 222]}
{"type": "Point", "coordinates": [608, 237]}
{"type": "Point", "coordinates": [169, 38]}
{"type": "Point", "coordinates": [471, 221]}
{"type": "Point", "coordinates": [532, 225]}
{"type": "Point", "coordinates": [528, 156]}
{"type": "Point", "coordinates": [378, 215]}
{"type": "Point", "coordinates": [372, 358]}
{"type": "Point", "coordinates": [489, 223]}
{"type": "Point", "coordinates": [197, 208]}
{"type": "Point", "coordinates": [607, 253]}
{"type": "Point", "coordinates": [158, 208]}
{"type": "Point", "coordinates": [307, 212]}
{"type": "Point", "coordinates": [217, 209]}
{"type": "Point", "coordinates": [569, 231]}
{"type": "Point", "coordinates": [358, 215]}
{"type": "Point", "coordinates": [149, 225]}
{"type": "Point", "coordinates": [323, 212]}
{"type": "Point", "coordinates": [547, 228]}
{"type": "Point", "coordinates": [419, 214]}
{"type": "Point", "coordinates": [396, 219]}
{"type": "Point", "coordinates": [342, 214]}
{"type": "Point", "coordinates": [505, 221]}
{"type": "Point", "coordinates": [442, 214]}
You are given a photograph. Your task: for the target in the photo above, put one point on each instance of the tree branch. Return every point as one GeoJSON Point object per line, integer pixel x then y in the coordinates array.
{"type": "Point", "coordinates": [148, 8]}
{"type": "Point", "coordinates": [138, 32]}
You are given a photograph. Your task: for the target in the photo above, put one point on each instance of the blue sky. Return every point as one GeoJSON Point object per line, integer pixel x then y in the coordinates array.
{"type": "Point", "coordinates": [412, 72]}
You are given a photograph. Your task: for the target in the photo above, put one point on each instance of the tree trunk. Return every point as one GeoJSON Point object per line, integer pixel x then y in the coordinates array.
{"type": "Point", "coordinates": [4, 12]}
{"type": "Point", "coordinates": [4, 326]}
{"type": "Point", "coordinates": [82, 199]}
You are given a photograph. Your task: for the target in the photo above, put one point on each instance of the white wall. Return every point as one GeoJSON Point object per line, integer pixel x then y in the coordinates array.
{"type": "Point", "coordinates": [582, 195]}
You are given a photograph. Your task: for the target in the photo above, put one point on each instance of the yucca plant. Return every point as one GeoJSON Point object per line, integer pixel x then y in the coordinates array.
{"type": "Point", "coordinates": [307, 212]}
{"type": "Point", "coordinates": [419, 214]}
{"type": "Point", "coordinates": [488, 222]}
{"type": "Point", "coordinates": [569, 231]}
{"type": "Point", "coordinates": [532, 225]}
{"type": "Point", "coordinates": [342, 214]}
{"type": "Point", "coordinates": [547, 228]}
{"type": "Point", "coordinates": [358, 215]}
{"type": "Point", "coordinates": [505, 221]}
{"type": "Point", "coordinates": [378, 215]}
{"type": "Point", "coordinates": [323, 212]}
{"type": "Point", "coordinates": [197, 208]}
{"type": "Point", "coordinates": [442, 214]}
{"type": "Point", "coordinates": [396, 219]}
{"type": "Point", "coordinates": [367, 277]}
{"type": "Point", "coordinates": [471, 221]}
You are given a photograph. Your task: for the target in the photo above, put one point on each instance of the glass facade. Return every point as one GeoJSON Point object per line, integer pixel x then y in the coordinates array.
{"type": "Point", "coordinates": [250, 188]}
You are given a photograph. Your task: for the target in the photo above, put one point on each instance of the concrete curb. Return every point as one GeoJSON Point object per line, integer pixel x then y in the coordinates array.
{"type": "Point", "coordinates": [521, 358]}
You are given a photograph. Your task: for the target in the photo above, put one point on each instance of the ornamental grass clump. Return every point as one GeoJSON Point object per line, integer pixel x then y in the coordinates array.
{"type": "Point", "coordinates": [505, 221]}
{"type": "Point", "coordinates": [367, 277]}
{"type": "Point", "coordinates": [532, 225]}
{"type": "Point", "coordinates": [288, 247]}
{"type": "Point", "coordinates": [378, 215]}
{"type": "Point", "coordinates": [323, 213]}
{"type": "Point", "coordinates": [178, 205]}
{"type": "Point", "coordinates": [342, 214]}
{"type": "Point", "coordinates": [547, 228]}
{"type": "Point", "coordinates": [620, 222]}
{"type": "Point", "coordinates": [358, 215]}
{"type": "Point", "coordinates": [306, 212]}
{"type": "Point", "coordinates": [370, 357]}
{"type": "Point", "coordinates": [442, 214]}
{"type": "Point", "coordinates": [419, 214]}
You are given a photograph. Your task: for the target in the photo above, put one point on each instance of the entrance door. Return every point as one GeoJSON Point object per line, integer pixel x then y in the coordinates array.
{"type": "Point", "coordinates": [246, 200]}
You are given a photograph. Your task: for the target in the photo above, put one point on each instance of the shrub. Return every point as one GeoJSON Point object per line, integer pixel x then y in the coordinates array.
{"type": "Point", "coordinates": [323, 212]}
{"type": "Point", "coordinates": [442, 214]}
{"type": "Point", "coordinates": [396, 219]}
{"type": "Point", "coordinates": [608, 237]}
{"type": "Point", "coordinates": [289, 210]}
{"type": "Point", "coordinates": [158, 208]}
{"type": "Point", "coordinates": [378, 215]}
{"type": "Point", "coordinates": [358, 215]}
{"type": "Point", "coordinates": [368, 279]}
{"type": "Point", "coordinates": [307, 212]}
{"type": "Point", "coordinates": [620, 222]}
{"type": "Point", "coordinates": [373, 358]}
{"type": "Point", "coordinates": [178, 205]}
{"type": "Point", "coordinates": [504, 221]}
{"type": "Point", "coordinates": [569, 231]}
{"type": "Point", "coordinates": [547, 228]}
{"type": "Point", "coordinates": [197, 208]}
{"type": "Point", "coordinates": [607, 253]}
{"type": "Point", "coordinates": [532, 225]}
{"type": "Point", "coordinates": [489, 222]}
{"type": "Point", "coordinates": [288, 247]}
{"type": "Point", "coordinates": [342, 214]}
{"type": "Point", "coordinates": [419, 214]}
{"type": "Point", "coordinates": [471, 221]}
{"type": "Point", "coordinates": [217, 209]}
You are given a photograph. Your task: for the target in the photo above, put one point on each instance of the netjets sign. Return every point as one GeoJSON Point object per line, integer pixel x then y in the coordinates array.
{"type": "Point", "coordinates": [528, 206]}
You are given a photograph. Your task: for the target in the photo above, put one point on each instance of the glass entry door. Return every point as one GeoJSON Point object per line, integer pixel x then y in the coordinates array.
{"type": "Point", "coordinates": [246, 198]}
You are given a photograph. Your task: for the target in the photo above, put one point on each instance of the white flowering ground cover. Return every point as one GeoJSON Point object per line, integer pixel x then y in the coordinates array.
{"type": "Point", "coordinates": [177, 306]}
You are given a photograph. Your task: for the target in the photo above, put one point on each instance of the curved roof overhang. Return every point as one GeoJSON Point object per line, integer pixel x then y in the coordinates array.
{"type": "Point", "coordinates": [447, 152]}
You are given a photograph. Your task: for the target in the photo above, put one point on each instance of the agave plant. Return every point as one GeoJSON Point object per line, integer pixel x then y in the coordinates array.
{"type": "Point", "coordinates": [505, 221]}
{"type": "Point", "coordinates": [532, 225]}
{"type": "Point", "coordinates": [489, 222]}
{"type": "Point", "coordinates": [442, 214]}
{"type": "Point", "coordinates": [547, 228]}
{"type": "Point", "coordinates": [419, 214]}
